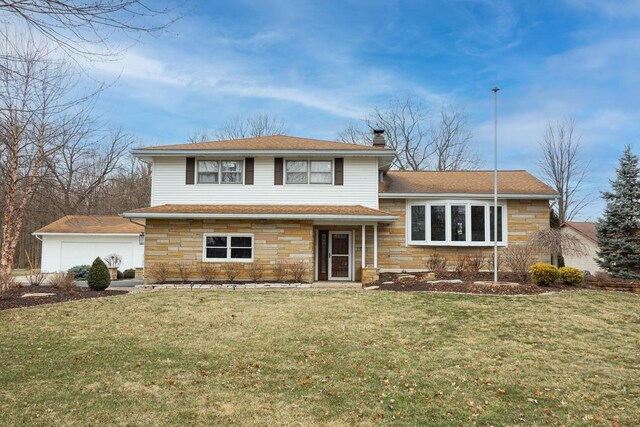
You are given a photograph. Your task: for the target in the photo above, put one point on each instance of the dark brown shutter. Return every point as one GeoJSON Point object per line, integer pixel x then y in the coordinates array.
{"type": "Point", "coordinates": [248, 171]}
{"type": "Point", "coordinates": [278, 170]}
{"type": "Point", "coordinates": [339, 171]}
{"type": "Point", "coordinates": [190, 170]}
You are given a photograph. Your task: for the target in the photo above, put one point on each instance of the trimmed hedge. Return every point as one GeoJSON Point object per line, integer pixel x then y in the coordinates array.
{"type": "Point", "coordinates": [129, 273]}
{"type": "Point", "coordinates": [543, 274]}
{"type": "Point", "coordinates": [570, 275]}
{"type": "Point", "coordinates": [98, 278]}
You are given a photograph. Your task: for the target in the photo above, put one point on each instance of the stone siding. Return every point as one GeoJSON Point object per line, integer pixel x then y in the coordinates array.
{"type": "Point", "coordinates": [524, 217]}
{"type": "Point", "coordinates": [175, 242]}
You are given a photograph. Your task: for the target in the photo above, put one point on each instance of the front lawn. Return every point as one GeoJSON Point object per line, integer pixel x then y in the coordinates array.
{"type": "Point", "coordinates": [328, 358]}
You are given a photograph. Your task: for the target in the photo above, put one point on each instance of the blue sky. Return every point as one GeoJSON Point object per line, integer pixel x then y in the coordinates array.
{"type": "Point", "coordinates": [321, 64]}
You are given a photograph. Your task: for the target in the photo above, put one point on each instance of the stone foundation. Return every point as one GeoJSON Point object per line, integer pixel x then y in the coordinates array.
{"type": "Point", "coordinates": [370, 274]}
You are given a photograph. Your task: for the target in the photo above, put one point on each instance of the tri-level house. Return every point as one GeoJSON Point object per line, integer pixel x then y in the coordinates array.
{"type": "Point", "coordinates": [336, 207]}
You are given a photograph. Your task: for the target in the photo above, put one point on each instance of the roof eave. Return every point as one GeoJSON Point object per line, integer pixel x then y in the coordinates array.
{"type": "Point", "coordinates": [543, 196]}
{"type": "Point", "coordinates": [195, 153]}
{"type": "Point", "coordinates": [184, 215]}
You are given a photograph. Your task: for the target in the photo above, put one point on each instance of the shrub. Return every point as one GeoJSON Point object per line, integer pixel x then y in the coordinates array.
{"type": "Point", "coordinates": [473, 264]}
{"type": "Point", "coordinates": [208, 272]}
{"type": "Point", "coordinates": [298, 270]}
{"type": "Point", "coordinates": [570, 275]}
{"type": "Point", "coordinates": [544, 274]}
{"type": "Point", "coordinates": [231, 270]}
{"type": "Point", "coordinates": [119, 275]}
{"type": "Point", "coordinates": [436, 262]}
{"type": "Point", "coordinates": [113, 260]}
{"type": "Point", "coordinates": [255, 272]}
{"type": "Point", "coordinates": [602, 276]}
{"type": "Point", "coordinates": [184, 272]}
{"type": "Point", "coordinates": [460, 265]}
{"type": "Point", "coordinates": [63, 281]}
{"type": "Point", "coordinates": [80, 271]}
{"type": "Point", "coordinates": [160, 273]}
{"type": "Point", "coordinates": [7, 281]}
{"type": "Point", "coordinates": [280, 270]}
{"type": "Point", "coordinates": [129, 273]}
{"type": "Point", "coordinates": [98, 278]}
{"type": "Point", "coordinates": [519, 259]}
{"type": "Point", "coordinates": [36, 277]}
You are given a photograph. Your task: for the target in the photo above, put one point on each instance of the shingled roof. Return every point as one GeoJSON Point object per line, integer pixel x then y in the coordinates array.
{"type": "Point", "coordinates": [587, 229]}
{"type": "Point", "coordinates": [92, 224]}
{"type": "Point", "coordinates": [266, 143]}
{"type": "Point", "coordinates": [463, 182]}
{"type": "Point", "coordinates": [259, 211]}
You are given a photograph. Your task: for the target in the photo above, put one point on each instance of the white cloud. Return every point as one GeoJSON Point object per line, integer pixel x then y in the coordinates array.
{"type": "Point", "coordinates": [628, 9]}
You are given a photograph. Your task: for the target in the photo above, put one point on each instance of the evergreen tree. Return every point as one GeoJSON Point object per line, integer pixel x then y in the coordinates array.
{"type": "Point", "coordinates": [98, 278]}
{"type": "Point", "coordinates": [619, 228]}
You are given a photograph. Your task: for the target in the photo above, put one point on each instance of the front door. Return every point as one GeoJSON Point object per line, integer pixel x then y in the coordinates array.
{"type": "Point", "coordinates": [339, 255]}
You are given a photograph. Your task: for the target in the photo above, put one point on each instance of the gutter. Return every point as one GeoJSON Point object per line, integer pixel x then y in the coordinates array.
{"type": "Point", "coordinates": [193, 153]}
{"type": "Point", "coordinates": [159, 215]}
{"type": "Point", "coordinates": [465, 195]}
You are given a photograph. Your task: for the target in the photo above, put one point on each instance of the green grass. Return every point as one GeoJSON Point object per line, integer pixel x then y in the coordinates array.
{"type": "Point", "coordinates": [323, 358]}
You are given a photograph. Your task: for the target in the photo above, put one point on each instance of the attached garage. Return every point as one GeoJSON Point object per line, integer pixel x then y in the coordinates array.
{"type": "Point", "coordinates": [76, 240]}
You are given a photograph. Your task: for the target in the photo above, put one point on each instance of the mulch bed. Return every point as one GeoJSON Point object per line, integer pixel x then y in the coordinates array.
{"type": "Point", "coordinates": [468, 286]}
{"type": "Point", "coordinates": [12, 298]}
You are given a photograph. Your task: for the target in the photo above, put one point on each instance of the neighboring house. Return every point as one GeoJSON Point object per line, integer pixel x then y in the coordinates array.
{"type": "Point", "coordinates": [336, 207]}
{"type": "Point", "coordinates": [76, 240]}
{"type": "Point", "coordinates": [585, 232]}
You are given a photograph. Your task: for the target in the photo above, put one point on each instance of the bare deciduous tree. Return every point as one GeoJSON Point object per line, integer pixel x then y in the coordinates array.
{"type": "Point", "coordinates": [563, 167]}
{"type": "Point", "coordinates": [261, 124]}
{"type": "Point", "coordinates": [34, 97]}
{"type": "Point", "coordinates": [83, 27]}
{"type": "Point", "coordinates": [558, 243]}
{"type": "Point", "coordinates": [83, 164]}
{"type": "Point", "coordinates": [420, 141]}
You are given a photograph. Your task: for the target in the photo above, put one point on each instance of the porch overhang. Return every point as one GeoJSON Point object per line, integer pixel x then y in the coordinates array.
{"type": "Point", "coordinates": [341, 213]}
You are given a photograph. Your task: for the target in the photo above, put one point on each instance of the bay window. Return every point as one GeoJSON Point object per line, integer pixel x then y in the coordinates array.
{"type": "Point", "coordinates": [454, 223]}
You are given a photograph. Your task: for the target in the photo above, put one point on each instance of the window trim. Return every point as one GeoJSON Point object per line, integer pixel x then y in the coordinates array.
{"type": "Point", "coordinates": [220, 172]}
{"type": "Point", "coordinates": [447, 203]}
{"type": "Point", "coordinates": [228, 236]}
{"type": "Point", "coordinates": [308, 161]}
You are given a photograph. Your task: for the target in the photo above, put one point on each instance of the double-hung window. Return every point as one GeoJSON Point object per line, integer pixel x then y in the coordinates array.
{"type": "Point", "coordinates": [309, 172]}
{"type": "Point", "coordinates": [220, 171]}
{"type": "Point", "coordinates": [454, 223]}
{"type": "Point", "coordinates": [228, 247]}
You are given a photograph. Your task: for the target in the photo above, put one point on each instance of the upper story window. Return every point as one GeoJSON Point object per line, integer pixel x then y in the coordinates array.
{"type": "Point", "coordinates": [309, 172]}
{"type": "Point", "coordinates": [220, 171]}
{"type": "Point", "coordinates": [454, 223]}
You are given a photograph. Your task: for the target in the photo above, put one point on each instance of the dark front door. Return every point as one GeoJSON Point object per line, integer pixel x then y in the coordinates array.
{"type": "Point", "coordinates": [323, 255]}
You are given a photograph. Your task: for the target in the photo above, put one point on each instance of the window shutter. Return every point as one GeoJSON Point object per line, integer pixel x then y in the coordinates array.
{"type": "Point", "coordinates": [339, 171]}
{"type": "Point", "coordinates": [248, 171]}
{"type": "Point", "coordinates": [278, 170]}
{"type": "Point", "coordinates": [190, 171]}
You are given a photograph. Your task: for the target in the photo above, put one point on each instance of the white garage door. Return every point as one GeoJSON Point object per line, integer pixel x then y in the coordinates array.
{"type": "Point", "coordinates": [77, 253]}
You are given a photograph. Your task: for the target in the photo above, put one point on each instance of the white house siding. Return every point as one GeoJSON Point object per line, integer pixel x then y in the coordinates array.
{"type": "Point", "coordinates": [586, 262]}
{"type": "Point", "coordinates": [61, 252]}
{"type": "Point", "coordinates": [360, 186]}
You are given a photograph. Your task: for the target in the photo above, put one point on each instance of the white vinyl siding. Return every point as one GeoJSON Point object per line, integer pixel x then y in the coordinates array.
{"type": "Point", "coordinates": [360, 186]}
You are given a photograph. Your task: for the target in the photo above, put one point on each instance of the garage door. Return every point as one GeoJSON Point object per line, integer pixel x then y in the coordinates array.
{"type": "Point", "coordinates": [77, 253]}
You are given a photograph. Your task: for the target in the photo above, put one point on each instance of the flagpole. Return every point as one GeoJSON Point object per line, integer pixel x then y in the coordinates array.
{"type": "Point", "coordinates": [495, 183]}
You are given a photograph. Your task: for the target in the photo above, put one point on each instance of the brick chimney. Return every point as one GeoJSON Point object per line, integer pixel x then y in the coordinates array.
{"type": "Point", "coordinates": [378, 138]}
